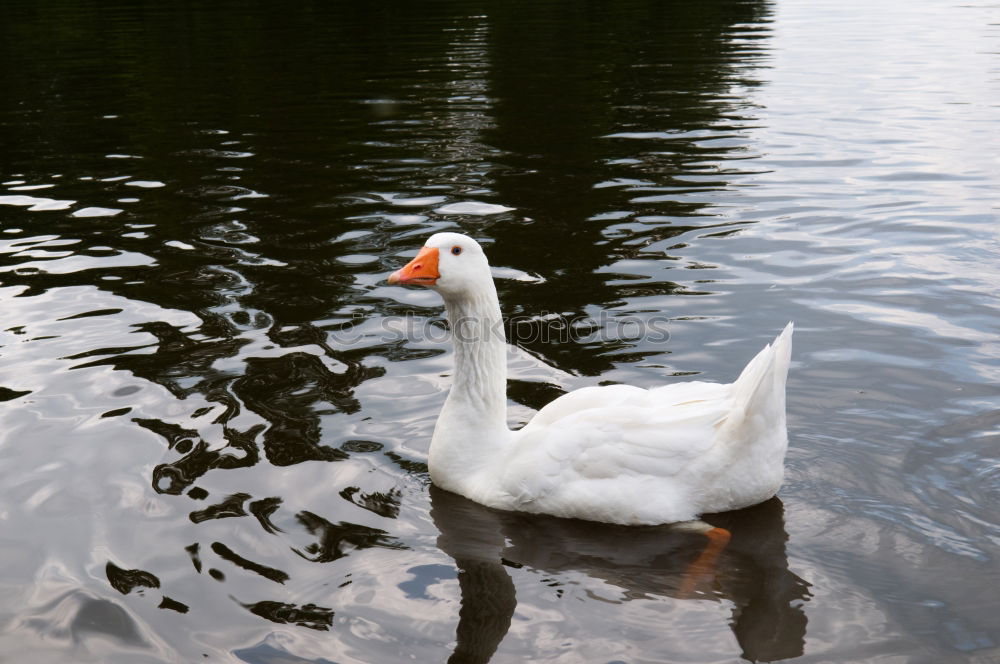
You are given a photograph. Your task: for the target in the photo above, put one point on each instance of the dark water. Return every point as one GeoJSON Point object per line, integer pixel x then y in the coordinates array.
{"type": "Point", "coordinates": [216, 414]}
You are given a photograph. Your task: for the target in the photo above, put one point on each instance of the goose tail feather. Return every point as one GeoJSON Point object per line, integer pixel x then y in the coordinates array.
{"type": "Point", "coordinates": [759, 392]}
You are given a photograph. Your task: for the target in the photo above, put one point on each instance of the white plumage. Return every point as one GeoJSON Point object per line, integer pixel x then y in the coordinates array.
{"type": "Point", "coordinates": [617, 453]}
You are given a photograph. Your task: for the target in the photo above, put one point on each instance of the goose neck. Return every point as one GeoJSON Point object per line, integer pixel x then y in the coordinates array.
{"type": "Point", "coordinates": [480, 380]}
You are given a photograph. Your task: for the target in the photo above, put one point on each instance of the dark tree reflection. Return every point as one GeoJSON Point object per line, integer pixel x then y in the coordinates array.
{"type": "Point", "coordinates": [336, 540]}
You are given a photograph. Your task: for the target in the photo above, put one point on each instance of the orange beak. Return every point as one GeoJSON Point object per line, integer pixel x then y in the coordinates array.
{"type": "Point", "coordinates": [422, 270]}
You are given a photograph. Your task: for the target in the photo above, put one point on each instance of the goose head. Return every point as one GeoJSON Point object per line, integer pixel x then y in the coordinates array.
{"type": "Point", "coordinates": [450, 263]}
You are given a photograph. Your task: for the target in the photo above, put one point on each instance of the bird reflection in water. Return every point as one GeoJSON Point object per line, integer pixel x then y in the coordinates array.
{"type": "Point", "coordinates": [752, 572]}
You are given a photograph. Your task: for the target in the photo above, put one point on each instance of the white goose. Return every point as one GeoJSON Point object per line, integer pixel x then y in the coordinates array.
{"type": "Point", "coordinates": [616, 453]}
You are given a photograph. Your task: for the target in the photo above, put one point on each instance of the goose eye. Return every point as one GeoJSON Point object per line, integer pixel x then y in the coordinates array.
{"type": "Point", "coordinates": [456, 250]}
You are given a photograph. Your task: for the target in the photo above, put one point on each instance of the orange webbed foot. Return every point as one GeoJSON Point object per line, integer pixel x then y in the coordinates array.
{"type": "Point", "coordinates": [703, 568]}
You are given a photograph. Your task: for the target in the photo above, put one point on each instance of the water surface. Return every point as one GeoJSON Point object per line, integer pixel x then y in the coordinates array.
{"type": "Point", "coordinates": [216, 413]}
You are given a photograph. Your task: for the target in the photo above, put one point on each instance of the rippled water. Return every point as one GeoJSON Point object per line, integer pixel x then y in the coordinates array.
{"type": "Point", "coordinates": [216, 413]}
